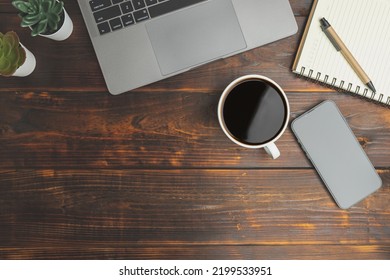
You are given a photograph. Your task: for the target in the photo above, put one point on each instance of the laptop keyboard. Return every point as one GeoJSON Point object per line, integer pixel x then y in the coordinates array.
{"type": "Point", "coordinates": [112, 15]}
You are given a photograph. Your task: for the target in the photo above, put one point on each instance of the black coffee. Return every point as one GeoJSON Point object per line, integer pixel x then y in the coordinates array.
{"type": "Point", "coordinates": [254, 112]}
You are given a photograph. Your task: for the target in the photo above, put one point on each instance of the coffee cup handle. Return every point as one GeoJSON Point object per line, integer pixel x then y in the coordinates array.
{"type": "Point", "coordinates": [272, 150]}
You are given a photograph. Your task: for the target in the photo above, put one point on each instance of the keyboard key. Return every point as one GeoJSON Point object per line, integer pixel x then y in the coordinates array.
{"type": "Point", "coordinates": [141, 15]}
{"type": "Point", "coordinates": [126, 7]}
{"type": "Point", "coordinates": [104, 28]}
{"type": "Point", "coordinates": [169, 6]}
{"type": "Point", "coordinates": [128, 12]}
{"type": "Point", "coordinates": [107, 14]}
{"type": "Point", "coordinates": [150, 2]}
{"type": "Point", "coordinates": [116, 24]}
{"type": "Point", "coordinates": [138, 4]}
{"type": "Point", "coordinates": [99, 4]}
{"type": "Point", "coordinates": [128, 20]}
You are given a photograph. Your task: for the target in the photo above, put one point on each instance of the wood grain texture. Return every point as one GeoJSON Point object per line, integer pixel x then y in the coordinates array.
{"type": "Point", "coordinates": [150, 175]}
{"type": "Point", "coordinates": [200, 252]}
{"type": "Point", "coordinates": [141, 130]}
{"type": "Point", "coordinates": [167, 208]}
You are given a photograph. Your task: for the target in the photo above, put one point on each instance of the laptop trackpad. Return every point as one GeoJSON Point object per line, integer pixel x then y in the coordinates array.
{"type": "Point", "coordinates": [195, 35]}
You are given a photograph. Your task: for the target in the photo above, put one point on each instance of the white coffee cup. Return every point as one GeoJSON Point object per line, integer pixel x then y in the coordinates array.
{"type": "Point", "coordinates": [262, 114]}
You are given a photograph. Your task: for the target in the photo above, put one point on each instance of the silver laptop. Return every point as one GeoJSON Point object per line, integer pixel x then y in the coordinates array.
{"type": "Point", "coordinates": [138, 42]}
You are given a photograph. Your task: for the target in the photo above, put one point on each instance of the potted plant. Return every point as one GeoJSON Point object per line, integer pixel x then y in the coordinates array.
{"type": "Point", "coordinates": [15, 59]}
{"type": "Point", "coordinates": [46, 18]}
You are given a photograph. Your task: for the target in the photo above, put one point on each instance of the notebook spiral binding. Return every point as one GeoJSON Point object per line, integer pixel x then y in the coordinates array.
{"type": "Point", "coordinates": [340, 88]}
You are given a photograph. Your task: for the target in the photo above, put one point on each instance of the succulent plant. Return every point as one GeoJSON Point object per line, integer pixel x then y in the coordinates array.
{"type": "Point", "coordinates": [12, 54]}
{"type": "Point", "coordinates": [42, 16]}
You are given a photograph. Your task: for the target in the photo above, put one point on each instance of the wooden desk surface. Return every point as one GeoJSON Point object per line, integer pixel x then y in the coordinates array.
{"type": "Point", "coordinates": [150, 175]}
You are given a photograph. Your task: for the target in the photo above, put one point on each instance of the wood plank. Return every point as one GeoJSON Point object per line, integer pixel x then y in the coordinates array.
{"type": "Point", "coordinates": [157, 130]}
{"type": "Point", "coordinates": [71, 65]}
{"type": "Point", "coordinates": [126, 208]}
{"type": "Point", "coordinates": [194, 252]}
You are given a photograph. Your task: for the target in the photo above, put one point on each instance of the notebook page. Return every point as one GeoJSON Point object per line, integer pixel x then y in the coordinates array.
{"type": "Point", "coordinates": [364, 26]}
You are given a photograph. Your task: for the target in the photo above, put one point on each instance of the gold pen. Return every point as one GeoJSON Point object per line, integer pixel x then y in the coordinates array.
{"type": "Point", "coordinates": [341, 47]}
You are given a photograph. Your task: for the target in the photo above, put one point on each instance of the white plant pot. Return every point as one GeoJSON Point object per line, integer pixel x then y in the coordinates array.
{"type": "Point", "coordinates": [65, 30]}
{"type": "Point", "coordinates": [28, 66]}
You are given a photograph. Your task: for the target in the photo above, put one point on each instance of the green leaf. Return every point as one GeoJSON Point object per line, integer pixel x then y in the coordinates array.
{"type": "Point", "coordinates": [53, 20]}
{"type": "Point", "coordinates": [21, 6]}
{"type": "Point", "coordinates": [58, 6]}
{"type": "Point", "coordinates": [11, 54]}
{"type": "Point", "coordinates": [6, 48]}
{"type": "Point", "coordinates": [34, 5]}
{"type": "Point", "coordinates": [5, 67]}
{"type": "Point", "coordinates": [29, 20]}
{"type": "Point", "coordinates": [12, 39]}
{"type": "Point", "coordinates": [40, 7]}
{"type": "Point", "coordinates": [2, 53]}
{"type": "Point", "coordinates": [13, 57]}
{"type": "Point", "coordinates": [45, 6]}
{"type": "Point", "coordinates": [22, 56]}
{"type": "Point", "coordinates": [51, 3]}
{"type": "Point", "coordinates": [39, 28]}
{"type": "Point", "coordinates": [4, 63]}
{"type": "Point", "coordinates": [26, 23]}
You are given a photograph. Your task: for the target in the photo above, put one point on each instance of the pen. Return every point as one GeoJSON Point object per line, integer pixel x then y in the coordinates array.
{"type": "Point", "coordinates": [341, 47]}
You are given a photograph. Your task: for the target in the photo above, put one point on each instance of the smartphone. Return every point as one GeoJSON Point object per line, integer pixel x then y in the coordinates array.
{"type": "Point", "coordinates": [336, 154]}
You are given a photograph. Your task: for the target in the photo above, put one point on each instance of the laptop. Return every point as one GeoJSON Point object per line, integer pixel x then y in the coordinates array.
{"type": "Point", "coordinates": [138, 42]}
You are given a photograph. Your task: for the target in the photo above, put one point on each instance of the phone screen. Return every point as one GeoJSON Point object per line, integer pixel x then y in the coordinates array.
{"type": "Point", "coordinates": [333, 149]}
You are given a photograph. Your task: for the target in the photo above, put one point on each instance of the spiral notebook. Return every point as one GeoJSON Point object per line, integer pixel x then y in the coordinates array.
{"type": "Point", "coordinates": [364, 27]}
